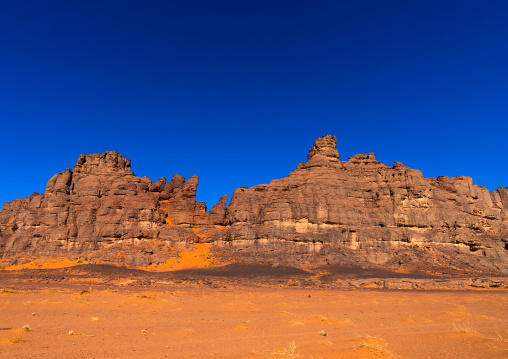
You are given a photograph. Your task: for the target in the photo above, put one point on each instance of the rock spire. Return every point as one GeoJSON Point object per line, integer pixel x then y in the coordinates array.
{"type": "Point", "coordinates": [325, 146]}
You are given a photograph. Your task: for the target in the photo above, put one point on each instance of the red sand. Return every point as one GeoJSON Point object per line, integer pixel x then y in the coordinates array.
{"type": "Point", "coordinates": [250, 322]}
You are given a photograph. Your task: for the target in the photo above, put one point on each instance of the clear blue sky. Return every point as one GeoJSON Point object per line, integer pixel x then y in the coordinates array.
{"type": "Point", "coordinates": [236, 91]}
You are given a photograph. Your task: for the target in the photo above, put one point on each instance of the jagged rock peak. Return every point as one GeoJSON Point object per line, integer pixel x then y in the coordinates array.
{"type": "Point", "coordinates": [102, 163]}
{"type": "Point", "coordinates": [363, 158]}
{"type": "Point", "coordinates": [325, 146]}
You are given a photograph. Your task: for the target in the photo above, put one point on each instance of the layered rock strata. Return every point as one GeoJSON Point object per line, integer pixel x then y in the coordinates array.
{"type": "Point", "coordinates": [326, 211]}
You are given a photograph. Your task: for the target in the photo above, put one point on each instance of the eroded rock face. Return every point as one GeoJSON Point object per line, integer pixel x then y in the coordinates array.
{"type": "Point", "coordinates": [325, 211]}
{"type": "Point", "coordinates": [391, 214]}
{"type": "Point", "coordinates": [326, 147]}
{"type": "Point", "coordinates": [100, 209]}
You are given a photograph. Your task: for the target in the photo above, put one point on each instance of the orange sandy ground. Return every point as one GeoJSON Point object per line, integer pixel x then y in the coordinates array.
{"type": "Point", "coordinates": [194, 256]}
{"type": "Point", "coordinates": [252, 322]}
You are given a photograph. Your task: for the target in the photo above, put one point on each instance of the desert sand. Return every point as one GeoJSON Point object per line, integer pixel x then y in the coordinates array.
{"type": "Point", "coordinates": [126, 319]}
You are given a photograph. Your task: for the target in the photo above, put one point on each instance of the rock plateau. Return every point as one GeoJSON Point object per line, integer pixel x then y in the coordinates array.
{"type": "Point", "coordinates": [326, 212]}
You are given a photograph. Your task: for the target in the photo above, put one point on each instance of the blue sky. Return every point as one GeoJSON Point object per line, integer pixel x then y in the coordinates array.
{"type": "Point", "coordinates": [237, 91]}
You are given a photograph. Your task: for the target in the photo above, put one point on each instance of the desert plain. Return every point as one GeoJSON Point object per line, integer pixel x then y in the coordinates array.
{"type": "Point", "coordinates": [114, 313]}
{"type": "Point", "coordinates": [340, 259]}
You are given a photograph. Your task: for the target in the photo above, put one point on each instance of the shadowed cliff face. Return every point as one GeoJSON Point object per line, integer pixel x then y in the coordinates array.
{"type": "Point", "coordinates": [325, 211]}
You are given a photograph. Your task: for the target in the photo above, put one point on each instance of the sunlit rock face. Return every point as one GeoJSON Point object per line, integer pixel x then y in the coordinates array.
{"type": "Point", "coordinates": [326, 211]}
{"type": "Point", "coordinates": [380, 210]}
{"type": "Point", "coordinates": [326, 147]}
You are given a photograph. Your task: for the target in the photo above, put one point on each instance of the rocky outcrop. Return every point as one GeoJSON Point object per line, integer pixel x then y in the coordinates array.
{"type": "Point", "coordinates": [390, 213]}
{"type": "Point", "coordinates": [325, 211]}
{"type": "Point", "coordinates": [100, 209]}
{"type": "Point", "coordinates": [325, 147]}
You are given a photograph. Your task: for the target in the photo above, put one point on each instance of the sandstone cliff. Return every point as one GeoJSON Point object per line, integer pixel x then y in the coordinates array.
{"type": "Point", "coordinates": [325, 211]}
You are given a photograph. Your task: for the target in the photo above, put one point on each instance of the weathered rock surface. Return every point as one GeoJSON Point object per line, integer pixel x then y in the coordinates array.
{"type": "Point", "coordinates": [326, 211]}
{"type": "Point", "coordinates": [96, 209]}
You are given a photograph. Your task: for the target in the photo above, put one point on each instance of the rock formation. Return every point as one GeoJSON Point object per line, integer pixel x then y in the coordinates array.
{"type": "Point", "coordinates": [326, 211]}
